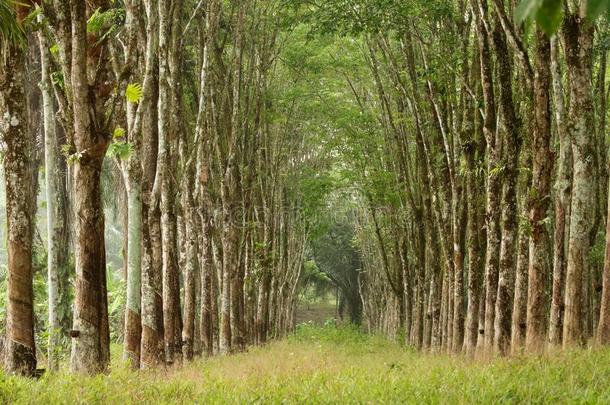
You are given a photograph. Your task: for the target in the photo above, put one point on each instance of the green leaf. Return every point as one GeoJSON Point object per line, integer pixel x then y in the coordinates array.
{"type": "Point", "coordinates": [526, 9]}
{"type": "Point", "coordinates": [548, 13]}
{"type": "Point", "coordinates": [66, 149]}
{"type": "Point", "coordinates": [11, 30]}
{"type": "Point", "coordinates": [31, 19]}
{"type": "Point", "coordinates": [75, 157]}
{"type": "Point", "coordinates": [104, 23]}
{"type": "Point", "coordinates": [549, 16]}
{"type": "Point", "coordinates": [54, 49]}
{"type": "Point", "coordinates": [134, 93]}
{"type": "Point", "coordinates": [57, 78]}
{"type": "Point", "coordinates": [596, 7]}
{"type": "Point", "coordinates": [118, 133]}
{"type": "Point", "coordinates": [95, 22]}
{"type": "Point", "coordinates": [122, 150]}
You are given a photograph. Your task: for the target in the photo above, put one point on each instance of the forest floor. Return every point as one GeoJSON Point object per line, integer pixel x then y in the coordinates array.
{"type": "Point", "coordinates": [317, 313]}
{"type": "Point", "coordinates": [335, 366]}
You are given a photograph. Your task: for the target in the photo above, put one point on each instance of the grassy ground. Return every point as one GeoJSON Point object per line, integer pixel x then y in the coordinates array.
{"type": "Point", "coordinates": [317, 313]}
{"type": "Point", "coordinates": [335, 365]}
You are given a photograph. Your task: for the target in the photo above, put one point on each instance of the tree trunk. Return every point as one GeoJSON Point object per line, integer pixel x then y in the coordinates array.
{"type": "Point", "coordinates": [492, 257]}
{"type": "Point", "coordinates": [55, 208]}
{"type": "Point", "coordinates": [90, 336]}
{"type": "Point", "coordinates": [603, 328]}
{"type": "Point", "coordinates": [228, 264]}
{"type": "Point", "coordinates": [578, 37]}
{"type": "Point", "coordinates": [512, 126]}
{"type": "Point", "coordinates": [191, 266]}
{"type": "Point", "coordinates": [474, 256]}
{"type": "Point", "coordinates": [20, 350]}
{"type": "Point", "coordinates": [542, 163]}
{"type": "Point", "coordinates": [207, 272]}
{"type": "Point", "coordinates": [152, 307]}
{"type": "Point", "coordinates": [133, 326]}
{"type": "Point", "coordinates": [164, 183]}
{"type": "Point", "coordinates": [518, 323]}
{"type": "Point", "coordinates": [563, 185]}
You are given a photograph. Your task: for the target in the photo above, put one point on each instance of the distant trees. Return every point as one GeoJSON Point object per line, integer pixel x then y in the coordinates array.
{"type": "Point", "coordinates": [337, 258]}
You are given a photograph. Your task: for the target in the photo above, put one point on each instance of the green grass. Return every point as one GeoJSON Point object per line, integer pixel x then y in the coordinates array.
{"type": "Point", "coordinates": [335, 365]}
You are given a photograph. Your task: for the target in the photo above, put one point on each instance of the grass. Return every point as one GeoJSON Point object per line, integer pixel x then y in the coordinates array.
{"type": "Point", "coordinates": [335, 366]}
{"type": "Point", "coordinates": [316, 312]}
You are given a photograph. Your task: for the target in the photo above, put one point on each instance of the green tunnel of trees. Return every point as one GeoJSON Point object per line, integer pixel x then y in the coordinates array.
{"type": "Point", "coordinates": [177, 171]}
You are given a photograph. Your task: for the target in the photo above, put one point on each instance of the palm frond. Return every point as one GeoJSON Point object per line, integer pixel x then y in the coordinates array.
{"type": "Point", "coordinates": [11, 31]}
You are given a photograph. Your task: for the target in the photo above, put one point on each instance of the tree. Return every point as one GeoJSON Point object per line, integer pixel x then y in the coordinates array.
{"type": "Point", "coordinates": [20, 196]}
{"type": "Point", "coordinates": [578, 36]}
{"type": "Point", "coordinates": [86, 124]}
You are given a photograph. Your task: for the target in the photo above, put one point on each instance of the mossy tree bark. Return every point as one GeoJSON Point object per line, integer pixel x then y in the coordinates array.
{"type": "Point", "coordinates": [20, 349]}
{"type": "Point", "coordinates": [578, 37]}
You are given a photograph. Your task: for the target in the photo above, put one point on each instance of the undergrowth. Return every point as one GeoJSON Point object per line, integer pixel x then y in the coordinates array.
{"type": "Point", "coordinates": [333, 365]}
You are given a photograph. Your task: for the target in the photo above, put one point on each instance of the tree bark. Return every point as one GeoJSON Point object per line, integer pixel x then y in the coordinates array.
{"type": "Point", "coordinates": [492, 257]}
{"type": "Point", "coordinates": [20, 349]}
{"type": "Point", "coordinates": [56, 247]}
{"type": "Point", "coordinates": [603, 328]}
{"type": "Point", "coordinates": [512, 128]}
{"type": "Point", "coordinates": [578, 38]}
{"type": "Point", "coordinates": [90, 336]}
{"type": "Point", "coordinates": [542, 162]}
{"type": "Point", "coordinates": [191, 265]}
{"type": "Point", "coordinates": [563, 186]}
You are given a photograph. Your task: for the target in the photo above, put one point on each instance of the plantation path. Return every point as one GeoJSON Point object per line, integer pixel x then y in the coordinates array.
{"type": "Point", "coordinates": [317, 313]}
{"type": "Point", "coordinates": [333, 366]}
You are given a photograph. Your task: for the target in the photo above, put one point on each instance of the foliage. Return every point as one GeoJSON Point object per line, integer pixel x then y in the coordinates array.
{"type": "Point", "coordinates": [549, 13]}
{"type": "Point", "coordinates": [313, 284]}
{"type": "Point", "coordinates": [120, 149]}
{"type": "Point", "coordinates": [116, 306]}
{"type": "Point", "coordinates": [352, 17]}
{"type": "Point", "coordinates": [118, 133]}
{"type": "Point", "coordinates": [57, 78]}
{"type": "Point", "coordinates": [105, 23]}
{"type": "Point", "coordinates": [11, 31]}
{"type": "Point", "coordinates": [134, 92]}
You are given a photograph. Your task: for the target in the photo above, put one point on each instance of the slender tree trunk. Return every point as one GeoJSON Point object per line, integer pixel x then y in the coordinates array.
{"type": "Point", "coordinates": [133, 326]}
{"type": "Point", "coordinates": [191, 266]}
{"type": "Point", "coordinates": [458, 279]}
{"type": "Point", "coordinates": [603, 328]}
{"type": "Point", "coordinates": [578, 38]}
{"type": "Point", "coordinates": [542, 163]}
{"type": "Point", "coordinates": [20, 349]}
{"type": "Point", "coordinates": [207, 272]}
{"type": "Point", "coordinates": [90, 335]}
{"type": "Point", "coordinates": [54, 205]}
{"type": "Point", "coordinates": [518, 321]}
{"type": "Point", "coordinates": [492, 257]}
{"type": "Point", "coordinates": [563, 186]}
{"type": "Point", "coordinates": [164, 183]}
{"type": "Point", "coordinates": [227, 269]}
{"type": "Point", "coordinates": [520, 297]}
{"type": "Point", "coordinates": [474, 257]}
{"type": "Point", "coordinates": [512, 126]}
{"type": "Point", "coordinates": [152, 311]}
